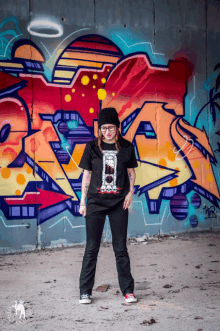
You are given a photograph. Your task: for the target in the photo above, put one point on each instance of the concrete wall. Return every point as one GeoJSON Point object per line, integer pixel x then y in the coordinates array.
{"type": "Point", "coordinates": [157, 62]}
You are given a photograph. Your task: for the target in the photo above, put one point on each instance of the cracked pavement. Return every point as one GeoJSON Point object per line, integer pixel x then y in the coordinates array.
{"type": "Point", "coordinates": [177, 284]}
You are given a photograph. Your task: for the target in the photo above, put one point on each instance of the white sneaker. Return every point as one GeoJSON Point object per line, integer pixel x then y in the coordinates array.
{"type": "Point", "coordinates": [85, 298]}
{"type": "Point", "coordinates": [130, 297]}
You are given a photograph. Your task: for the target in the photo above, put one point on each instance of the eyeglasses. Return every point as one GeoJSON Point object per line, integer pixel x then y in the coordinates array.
{"type": "Point", "coordinates": [110, 128]}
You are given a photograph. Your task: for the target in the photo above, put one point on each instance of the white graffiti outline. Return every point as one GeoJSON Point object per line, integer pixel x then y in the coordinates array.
{"type": "Point", "coordinates": [45, 24]}
{"type": "Point", "coordinates": [67, 147]}
{"type": "Point", "coordinates": [142, 210]}
{"type": "Point", "coordinates": [144, 215]}
{"type": "Point", "coordinates": [177, 152]}
{"type": "Point", "coordinates": [163, 214]}
{"type": "Point", "coordinates": [21, 34]}
{"type": "Point", "coordinates": [141, 43]}
{"type": "Point", "coordinates": [63, 41]}
{"type": "Point", "coordinates": [67, 219]}
{"type": "Point", "coordinates": [193, 96]}
{"type": "Point", "coordinates": [12, 226]}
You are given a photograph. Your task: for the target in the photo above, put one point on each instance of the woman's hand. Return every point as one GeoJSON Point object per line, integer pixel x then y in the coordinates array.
{"type": "Point", "coordinates": [85, 186]}
{"type": "Point", "coordinates": [128, 200]}
{"type": "Point", "coordinates": [82, 210]}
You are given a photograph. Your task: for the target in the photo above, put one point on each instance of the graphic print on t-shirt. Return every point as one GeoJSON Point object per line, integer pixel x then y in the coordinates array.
{"type": "Point", "coordinates": [109, 172]}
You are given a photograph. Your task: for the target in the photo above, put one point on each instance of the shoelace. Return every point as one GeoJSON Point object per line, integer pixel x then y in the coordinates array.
{"type": "Point", "coordinates": [131, 295]}
{"type": "Point", "coordinates": [85, 296]}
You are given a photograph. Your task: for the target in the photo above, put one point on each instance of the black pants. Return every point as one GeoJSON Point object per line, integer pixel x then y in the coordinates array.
{"type": "Point", "coordinates": [118, 220]}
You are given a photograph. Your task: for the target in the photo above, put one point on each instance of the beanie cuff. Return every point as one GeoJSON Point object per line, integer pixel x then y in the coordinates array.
{"type": "Point", "coordinates": [108, 116]}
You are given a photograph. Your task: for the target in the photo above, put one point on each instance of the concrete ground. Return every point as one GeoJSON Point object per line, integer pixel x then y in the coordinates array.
{"type": "Point", "coordinates": [177, 283]}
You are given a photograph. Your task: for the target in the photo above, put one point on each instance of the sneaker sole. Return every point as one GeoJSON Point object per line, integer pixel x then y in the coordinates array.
{"type": "Point", "coordinates": [85, 301]}
{"type": "Point", "coordinates": [131, 300]}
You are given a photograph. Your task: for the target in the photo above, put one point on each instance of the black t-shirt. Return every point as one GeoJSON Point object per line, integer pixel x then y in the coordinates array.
{"type": "Point", "coordinates": [109, 182]}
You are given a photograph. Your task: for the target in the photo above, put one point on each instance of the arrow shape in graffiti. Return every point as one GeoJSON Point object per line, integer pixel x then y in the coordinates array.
{"type": "Point", "coordinates": [148, 177]}
{"type": "Point", "coordinates": [42, 197]}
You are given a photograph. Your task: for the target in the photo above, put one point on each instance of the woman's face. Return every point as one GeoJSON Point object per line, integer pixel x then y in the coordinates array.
{"type": "Point", "coordinates": [108, 131]}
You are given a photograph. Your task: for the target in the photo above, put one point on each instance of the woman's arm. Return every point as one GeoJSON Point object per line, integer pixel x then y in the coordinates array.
{"type": "Point", "coordinates": [85, 185]}
{"type": "Point", "coordinates": [128, 198]}
{"type": "Point", "coordinates": [131, 176]}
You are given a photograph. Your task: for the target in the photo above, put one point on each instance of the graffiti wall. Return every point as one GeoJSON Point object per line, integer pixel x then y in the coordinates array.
{"type": "Point", "coordinates": [52, 87]}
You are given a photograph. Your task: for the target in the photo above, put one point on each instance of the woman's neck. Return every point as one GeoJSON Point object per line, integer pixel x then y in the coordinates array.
{"type": "Point", "coordinates": [108, 141]}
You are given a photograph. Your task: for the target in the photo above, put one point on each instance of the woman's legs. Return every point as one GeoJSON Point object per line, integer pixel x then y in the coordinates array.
{"type": "Point", "coordinates": [119, 225]}
{"type": "Point", "coordinates": [94, 228]}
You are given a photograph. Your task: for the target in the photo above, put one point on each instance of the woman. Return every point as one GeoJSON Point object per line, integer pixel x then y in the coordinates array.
{"type": "Point", "coordinates": [108, 162]}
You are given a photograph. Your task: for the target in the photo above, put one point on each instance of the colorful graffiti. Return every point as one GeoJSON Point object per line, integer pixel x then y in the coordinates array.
{"type": "Point", "coordinates": [45, 125]}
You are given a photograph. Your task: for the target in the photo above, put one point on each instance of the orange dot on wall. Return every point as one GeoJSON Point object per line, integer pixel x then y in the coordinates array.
{"type": "Point", "coordinates": [101, 94]}
{"type": "Point", "coordinates": [196, 164]}
{"type": "Point", "coordinates": [29, 170]}
{"type": "Point", "coordinates": [167, 144]}
{"type": "Point", "coordinates": [171, 155]}
{"type": "Point", "coordinates": [85, 80]}
{"type": "Point", "coordinates": [173, 182]}
{"type": "Point", "coordinates": [209, 178]}
{"type": "Point", "coordinates": [18, 192]}
{"type": "Point", "coordinates": [163, 163]}
{"type": "Point", "coordinates": [5, 172]}
{"type": "Point", "coordinates": [207, 166]}
{"type": "Point", "coordinates": [68, 98]}
{"type": "Point", "coordinates": [20, 179]}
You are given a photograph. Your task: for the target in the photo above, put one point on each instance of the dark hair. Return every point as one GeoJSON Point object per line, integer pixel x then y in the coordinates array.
{"type": "Point", "coordinates": [117, 138]}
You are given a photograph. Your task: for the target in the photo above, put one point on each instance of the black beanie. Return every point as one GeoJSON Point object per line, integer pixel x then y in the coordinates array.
{"type": "Point", "coordinates": [108, 116]}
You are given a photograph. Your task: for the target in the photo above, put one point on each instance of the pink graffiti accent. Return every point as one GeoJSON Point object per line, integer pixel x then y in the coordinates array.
{"type": "Point", "coordinates": [43, 198]}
